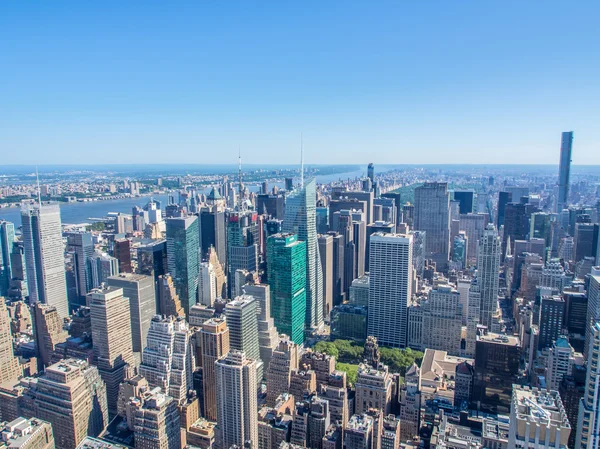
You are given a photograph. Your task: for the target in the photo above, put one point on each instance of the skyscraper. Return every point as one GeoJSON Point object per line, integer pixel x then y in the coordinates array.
{"type": "Point", "coordinates": [9, 366]}
{"type": "Point", "coordinates": [237, 407]}
{"type": "Point", "coordinates": [111, 333]}
{"type": "Point", "coordinates": [167, 361]}
{"type": "Point", "coordinates": [215, 345]}
{"type": "Point", "coordinates": [71, 396]}
{"type": "Point", "coordinates": [284, 361]}
{"type": "Point", "coordinates": [44, 256]}
{"type": "Point", "coordinates": [7, 239]}
{"type": "Point", "coordinates": [268, 336]}
{"type": "Point", "coordinates": [207, 284]}
{"type": "Point", "coordinates": [564, 170]}
{"type": "Point", "coordinates": [183, 255]}
{"type": "Point", "coordinates": [287, 279]}
{"type": "Point", "coordinates": [242, 245]}
{"type": "Point", "coordinates": [488, 273]}
{"type": "Point", "coordinates": [242, 321]}
{"type": "Point", "coordinates": [139, 289]}
{"type": "Point", "coordinates": [588, 422]}
{"type": "Point", "coordinates": [48, 332]}
{"type": "Point", "coordinates": [80, 243]}
{"type": "Point", "coordinates": [432, 215]}
{"type": "Point", "coordinates": [157, 422]}
{"type": "Point", "coordinates": [326, 254]}
{"type": "Point", "coordinates": [390, 288]}
{"type": "Point", "coordinates": [300, 219]}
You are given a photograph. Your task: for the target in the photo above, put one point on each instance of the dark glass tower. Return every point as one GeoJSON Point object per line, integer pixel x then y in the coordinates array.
{"type": "Point", "coordinates": [564, 170]}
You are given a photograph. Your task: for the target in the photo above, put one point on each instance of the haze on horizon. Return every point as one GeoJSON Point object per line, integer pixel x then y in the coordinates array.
{"type": "Point", "coordinates": [391, 82]}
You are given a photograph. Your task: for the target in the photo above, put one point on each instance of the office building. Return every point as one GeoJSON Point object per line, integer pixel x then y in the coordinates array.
{"type": "Point", "coordinates": [44, 256]}
{"type": "Point", "coordinates": [349, 322]}
{"type": "Point", "coordinates": [122, 252]}
{"type": "Point", "coordinates": [372, 228]}
{"type": "Point", "coordinates": [7, 239]}
{"type": "Point", "coordinates": [237, 407]}
{"type": "Point", "coordinates": [537, 419]}
{"type": "Point", "coordinates": [81, 393]}
{"type": "Point", "coordinates": [390, 288]}
{"type": "Point", "coordinates": [169, 303]}
{"type": "Point", "coordinates": [465, 199]}
{"type": "Point", "coordinates": [326, 254]}
{"type": "Point", "coordinates": [139, 289]}
{"type": "Point", "coordinates": [474, 226]}
{"type": "Point", "coordinates": [272, 205]}
{"type": "Point", "coordinates": [82, 246]}
{"type": "Point", "coordinates": [49, 332]}
{"type": "Point", "coordinates": [593, 307]}
{"type": "Point", "coordinates": [373, 389]}
{"type": "Point", "coordinates": [432, 215]}
{"type": "Point", "coordinates": [516, 225]}
{"type": "Point", "coordinates": [287, 280]}
{"type": "Point", "coordinates": [268, 337]}
{"type": "Point", "coordinates": [497, 359]}
{"type": "Point", "coordinates": [564, 170]}
{"type": "Point", "coordinates": [10, 369]}
{"type": "Point", "coordinates": [111, 333]}
{"type": "Point", "coordinates": [300, 219]}
{"type": "Point", "coordinates": [213, 232]}
{"type": "Point", "coordinates": [242, 245]}
{"type": "Point", "coordinates": [442, 320]}
{"type": "Point", "coordinates": [488, 273]}
{"type": "Point", "coordinates": [503, 199]}
{"type": "Point", "coordinates": [242, 321]}
{"type": "Point", "coordinates": [283, 362]}
{"type": "Point", "coordinates": [167, 360]}
{"type": "Point", "coordinates": [157, 422]}
{"type": "Point", "coordinates": [560, 363]}
{"type": "Point", "coordinates": [588, 422]}
{"type": "Point", "coordinates": [152, 259]}
{"type": "Point", "coordinates": [207, 284]}
{"type": "Point", "coordinates": [552, 310]}
{"type": "Point", "coordinates": [183, 258]}
{"type": "Point", "coordinates": [215, 345]}
{"type": "Point", "coordinates": [339, 294]}
{"type": "Point", "coordinates": [101, 267]}
{"type": "Point", "coordinates": [22, 433]}
{"type": "Point", "coordinates": [359, 291]}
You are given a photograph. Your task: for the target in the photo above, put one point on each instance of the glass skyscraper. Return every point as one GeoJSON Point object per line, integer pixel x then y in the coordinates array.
{"type": "Point", "coordinates": [300, 219]}
{"type": "Point", "coordinates": [242, 244]}
{"type": "Point", "coordinates": [564, 170]}
{"type": "Point", "coordinates": [7, 239]}
{"type": "Point", "coordinates": [183, 258]}
{"type": "Point", "coordinates": [44, 256]}
{"type": "Point", "coordinates": [287, 279]}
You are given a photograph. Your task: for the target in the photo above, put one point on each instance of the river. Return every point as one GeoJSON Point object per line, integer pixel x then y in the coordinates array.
{"type": "Point", "coordinates": [75, 213]}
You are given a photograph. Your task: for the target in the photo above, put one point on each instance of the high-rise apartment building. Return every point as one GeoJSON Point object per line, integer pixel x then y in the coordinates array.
{"type": "Point", "coordinates": [9, 365]}
{"type": "Point", "coordinates": [560, 363]}
{"type": "Point", "coordinates": [588, 422]}
{"type": "Point", "coordinates": [242, 321]}
{"type": "Point", "coordinates": [287, 279]}
{"type": "Point", "coordinates": [237, 407]}
{"type": "Point", "coordinates": [215, 345]}
{"type": "Point", "coordinates": [71, 396]}
{"type": "Point", "coordinates": [488, 273]}
{"type": "Point", "coordinates": [111, 333]}
{"type": "Point", "coordinates": [300, 219]}
{"type": "Point", "coordinates": [139, 289]}
{"type": "Point", "coordinates": [183, 256]}
{"type": "Point", "coordinates": [44, 256]}
{"type": "Point", "coordinates": [432, 215]}
{"type": "Point", "coordinates": [564, 170]}
{"type": "Point", "coordinates": [390, 288]}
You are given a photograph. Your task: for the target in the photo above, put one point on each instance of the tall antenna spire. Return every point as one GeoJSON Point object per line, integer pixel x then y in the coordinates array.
{"type": "Point", "coordinates": [301, 160]}
{"type": "Point", "coordinates": [39, 190]}
{"type": "Point", "coordinates": [240, 187]}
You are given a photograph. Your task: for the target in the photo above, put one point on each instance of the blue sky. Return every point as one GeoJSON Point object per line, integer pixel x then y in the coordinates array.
{"type": "Point", "coordinates": [388, 82]}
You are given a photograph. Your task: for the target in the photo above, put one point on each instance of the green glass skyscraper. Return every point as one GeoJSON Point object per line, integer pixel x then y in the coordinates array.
{"type": "Point", "coordinates": [183, 258]}
{"type": "Point", "coordinates": [7, 239]}
{"type": "Point", "coordinates": [287, 279]}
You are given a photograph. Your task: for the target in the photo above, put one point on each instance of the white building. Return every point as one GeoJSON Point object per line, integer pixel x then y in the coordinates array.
{"type": "Point", "coordinates": [488, 272]}
{"type": "Point", "coordinates": [207, 284]}
{"type": "Point", "coordinates": [390, 288]}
